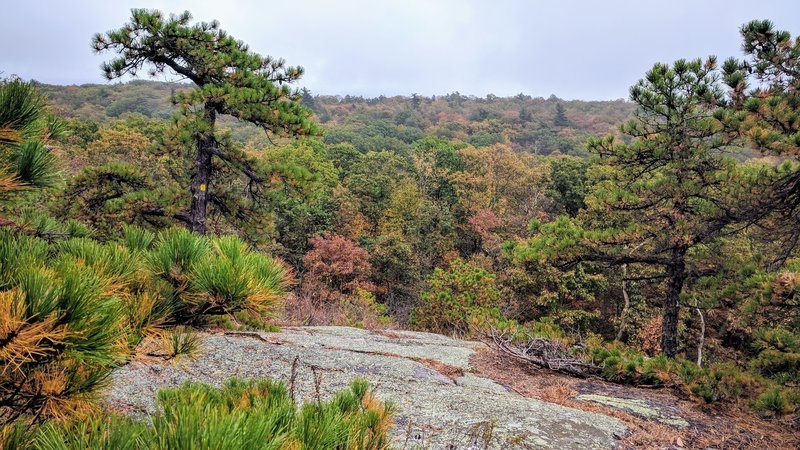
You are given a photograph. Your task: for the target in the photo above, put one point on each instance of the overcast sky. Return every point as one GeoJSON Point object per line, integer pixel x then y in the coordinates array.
{"type": "Point", "coordinates": [587, 49]}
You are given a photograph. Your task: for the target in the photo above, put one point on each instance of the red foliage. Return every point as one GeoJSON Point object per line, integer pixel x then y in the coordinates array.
{"type": "Point", "coordinates": [336, 267]}
{"type": "Point", "coordinates": [483, 223]}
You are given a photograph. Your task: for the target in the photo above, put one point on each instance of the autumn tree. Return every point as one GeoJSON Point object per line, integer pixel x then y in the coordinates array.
{"type": "Point", "coordinates": [300, 195]}
{"type": "Point", "coordinates": [505, 182]}
{"type": "Point", "coordinates": [661, 197]}
{"type": "Point", "coordinates": [229, 79]}
{"type": "Point", "coordinates": [419, 221]}
{"type": "Point", "coordinates": [335, 268]}
{"type": "Point", "coordinates": [397, 274]}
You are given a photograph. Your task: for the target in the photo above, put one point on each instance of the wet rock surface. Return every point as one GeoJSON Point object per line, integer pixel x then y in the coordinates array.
{"type": "Point", "coordinates": [441, 403]}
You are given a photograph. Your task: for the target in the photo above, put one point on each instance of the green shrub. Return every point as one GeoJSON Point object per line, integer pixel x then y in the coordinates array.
{"type": "Point", "coordinates": [17, 253]}
{"type": "Point", "coordinates": [216, 276]}
{"type": "Point", "coordinates": [779, 354]}
{"type": "Point", "coordinates": [97, 432]}
{"type": "Point", "coordinates": [25, 126]}
{"type": "Point", "coordinates": [361, 310]}
{"type": "Point", "coordinates": [240, 415]}
{"type": "Point", "coordinates": [771, 402]}
{"type": "Point", "coordinates": [34, 222]}
{"type": "Point", "coordinates": [112, 260]}
{"type": "Point", "coordinates": [457, 300]}
{"type": "Point", "coordinates": [60, 330]}
{"type": "Point", "coordinates": [146, 314]}
{"type": "Point", "coordinates": [622, 365]}
{"type": "Point", "coordinates": [16, 435]}
{"type": "Point", "coordinates": [180, 341]}
{"type": "Point", "coordinates": [776, 401]}
{"type": "Point", "coordinates": [719, 382]}
{"type": "Point", "coordinates": [233, 278]}
{"type": "Point", "coordinates": [248, 321]}
{"type": "Point", "coordinates": [175, 252]}
{"type": "Point", "coordinates": [137, 239]}
{"type": "Point", "coordinates": [734, 383]}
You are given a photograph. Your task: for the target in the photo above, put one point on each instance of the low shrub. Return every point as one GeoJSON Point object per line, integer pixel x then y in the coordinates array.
{"type": "Point", "coordinates": [778, 354]}
{"type": "Point", "coordinates": [213, 276]}
{"type": "Point", "coordinates": [233, 278]}
{"type": "Point", "coordinates": [61, 329]}
{"type": "Point", "coordinates": [240, 415]}
{"type": "Point", "coordinates": [776, 402]}
{"type": "Point", "coordinates": [622, 364]}
{"type": "Point", "coordinates": [457, 300]}
{"type": "Point", "coordinates": [179, 341]}
{"type": "Point", "coordinates": [363, 311]}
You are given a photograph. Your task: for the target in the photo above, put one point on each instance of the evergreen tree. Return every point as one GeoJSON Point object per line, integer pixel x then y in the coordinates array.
{"type": "Point", "coordinates": [307, 99]}
{"type": "Point", "coordinates": [229, 79]}
{"type": "Point", "coordinates": [25, 128]}
{"type": "Point", "coordinates": [560, 119]}
{"type": "Point", "coordinates": [568, 184]}
{"type": "Point", "coordinates": [525, 115]}
{"type": "Point", "coordinates": [415, 101]}
{"type": "Point", "coordinates": [768, 117]}
{"type": "Point", "coordinates": [661, 197]}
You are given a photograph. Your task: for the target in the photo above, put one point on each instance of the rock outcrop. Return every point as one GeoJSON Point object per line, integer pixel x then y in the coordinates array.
{"type": "Point", "coordinates": [441, 403]}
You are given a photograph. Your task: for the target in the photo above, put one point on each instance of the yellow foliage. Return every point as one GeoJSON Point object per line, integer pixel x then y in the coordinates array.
{"type": "Point", "coordinates": [24, 342]}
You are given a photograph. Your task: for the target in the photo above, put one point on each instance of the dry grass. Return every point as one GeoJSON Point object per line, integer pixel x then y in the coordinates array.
{"type": "Point", "coordinates": [720, 427]}
{"type": "Point", "coordinates": [559, 392]}
{"type": "Point", "coordinates": [303, 310]}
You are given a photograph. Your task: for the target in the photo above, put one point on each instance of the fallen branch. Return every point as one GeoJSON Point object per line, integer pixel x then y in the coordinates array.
{"type": "Point", "coordinates": [545, 354]}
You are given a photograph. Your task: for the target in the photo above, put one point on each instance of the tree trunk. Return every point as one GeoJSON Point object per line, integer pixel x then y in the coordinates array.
{"type": "Point", "coordinates": [676, 275]}
{"type": "Point", "coordinates": [201, 177]}
{"type": "Point", "coordinates": [623, 317]}
{"type": "Point", "coordinates": [702, 337]}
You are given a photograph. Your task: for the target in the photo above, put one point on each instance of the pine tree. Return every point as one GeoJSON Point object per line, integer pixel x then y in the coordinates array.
{"type": "Point", "coordinates": [229, 79]}
{"type": "Point", "coordinates": [661, 197]}
{"type": "Point", "coordinates": [25, 128]}
{"type": "Point", "coordinates": [307, 99]}
{"type": "Point", "coordinates": [415, 101]}
{"type": "Point", "coordinates": [764, 109]}
{"type": "Point", "coordinates": [525, 115]}
{"type": "Point", "coordinates": [560, 119]}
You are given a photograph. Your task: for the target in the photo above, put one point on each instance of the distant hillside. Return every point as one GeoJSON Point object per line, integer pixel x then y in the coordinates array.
{"type": "Point", "coordinates": [102, 102]}
{"type": "Point", "coordinates": [529, 124]}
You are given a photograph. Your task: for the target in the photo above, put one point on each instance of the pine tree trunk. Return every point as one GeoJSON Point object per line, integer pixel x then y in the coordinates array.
{"type": "Point", "coordinates": [676, 276]}
{"type": "Point", "coordinates": [202, 174]}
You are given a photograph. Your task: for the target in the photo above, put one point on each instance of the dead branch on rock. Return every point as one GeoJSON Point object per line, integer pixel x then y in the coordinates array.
{"type": "Point", "coordinates": [545, 354]}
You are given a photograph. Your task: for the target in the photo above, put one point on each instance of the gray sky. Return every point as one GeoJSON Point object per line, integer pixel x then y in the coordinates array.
{"type": "Point", "coordinates": [587, 49]}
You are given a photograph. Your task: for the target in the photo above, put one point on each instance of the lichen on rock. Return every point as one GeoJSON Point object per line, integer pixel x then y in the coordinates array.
{"type": "Point", "coordinates": [435, 410]}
